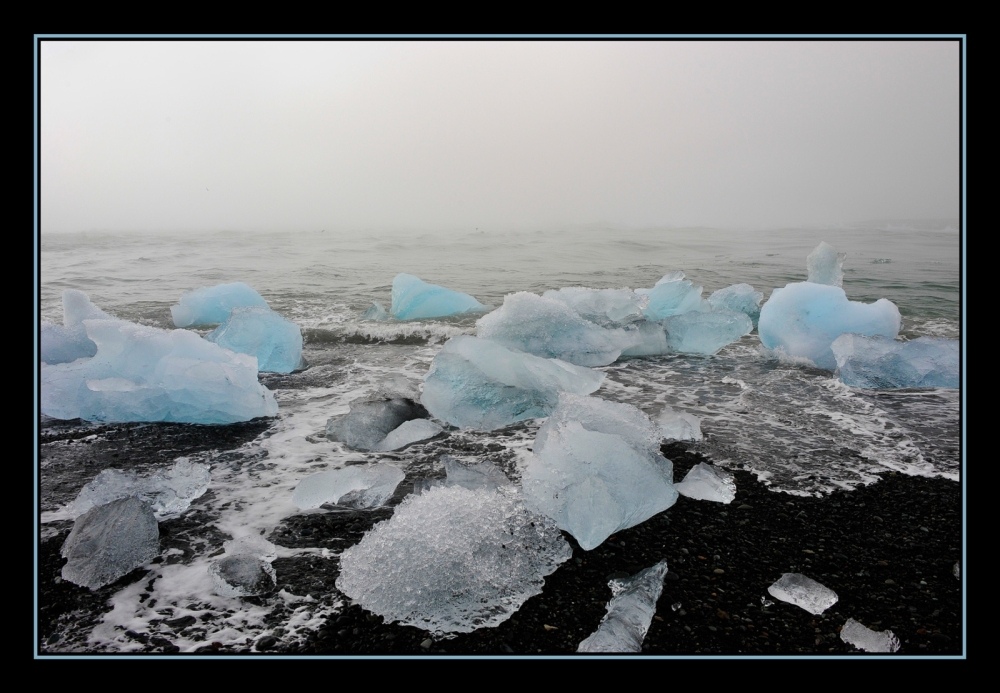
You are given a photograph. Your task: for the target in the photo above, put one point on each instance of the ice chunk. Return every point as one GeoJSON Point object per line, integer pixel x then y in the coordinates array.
{"type": "Point", "coordinates": [376, 311]}
{"type": "Point", "coordinates": [549, 328]}
{"type": "Point", "coordinates": [881, 362]}
{"type": "Point", "coordinates": [68, 342]}
{"type": "Point", "coordinates": [603, 416]}
{"type": "Point", "coordinates": [169, 493]}
{"type": "Point", "coordinates": [826, 265]}
{"type": "Point", "coordinates": [672, 295]}
{"type": "Point", "coordinates": [705, 332]}
{"type": "Point", "coordinates": [473, 474]}
{"type": "Point", "coordinates": [109, 541]}
{"type": "Point", "coordinates": [211, 305]}
{"type": "Point", "coordinates": [803, 591]}
{"type": "Point", "coordinates": [708, 482]}
{"type": "Point", "coordinates": [452, 560]}
{"type": "Point", "coordinates": [477, 383]}
{"type": "Point", "coordinates": [802, 319]}
{"type": "Point", "coordinates": [675, 425]}
{"type": "Point", "coordinates": [864, 638]}
{"type": "Point", "coordinates": [357, 486]}
{"type": "Point", "coordinates": [605, 307]}
{"type": "Point", "coordinates": [740, 298]}
{"type": "Point", "coordinates": [414, 298]}
{"type": "Point", "coordinates": [260, 332]}
{"type": "Point", "coordinates": [630, 611]}
{"type": "Point", "coordinates": [595, 484]}
{"type": "Point", "coordinates": [242, 575]}
{"type": "Point", "coordinates": [369, 421]}
{"type": "Point", "coordinates": [408, 432]}
{"type": "Point", "coordinates": [144, 373]}
{"type": "Point", "coordinates": [648, 339]}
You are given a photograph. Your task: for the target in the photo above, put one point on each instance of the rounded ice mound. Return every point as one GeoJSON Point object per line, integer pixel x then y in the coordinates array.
{"type": "Point", "coordinates": [413, 298]}
{"type": "Point", "coordinates": [803, 319]}
{"type": "Point", "coordinates": [453, 559]}
{"type": "Point", "coordinates": [212, 305]}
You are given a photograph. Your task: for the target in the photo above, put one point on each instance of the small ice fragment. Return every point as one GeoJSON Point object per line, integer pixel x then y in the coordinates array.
{"type": "Point", "coordinates": [955, 570]}
{"type": "Point", "coordinates": [360, 486]}
{"type": "Point", "coordinates": [864, 638]}
{"type": "Point", "coordinates": [408, 432]}
{"type": "Point", "coordinates": [242, 575]}
{"type": "Point", "coordinates": [675, 606]}
{"type": "Point", "coordinates": [707, 482]}
{"type": "Point", "coordinates": [630, 612]}
{"type": "Point", "coordinates": [765, 602]}
{"type": "Point", "coordinates": [803, 591]}
{"type": "Point", "coordinates": [676, 425]}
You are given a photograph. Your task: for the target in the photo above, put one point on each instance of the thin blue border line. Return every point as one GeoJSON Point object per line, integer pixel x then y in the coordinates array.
{"type": "Point", "coordinates": [962, 62]}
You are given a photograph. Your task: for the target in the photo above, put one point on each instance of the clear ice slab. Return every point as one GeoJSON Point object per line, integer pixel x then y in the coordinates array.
{"type": "Point", "coordinates": [630, 612]}
{"type": "Point", "coordinates": [864, 638]}
{"type": "Point", "coordinates": [452, 560]}
{"type": "Point", "coordinates": [109, 541]}
{"type": "Point", "coordinates": [242, 575]}
{"type": "Point", "coordinates": [883, 363]}
{"type": "Point", "coordinates": [413, 298]}
{"type": "Point", "coordinates": [705, 332]}
{"type": "Point", "coordinates": [357, 486]}
{"type": "Point", "coordinates": [211, 305]}
{"type": "Point", "coordinates": [708, 482]}
{"type": "Point", "coordinates": [803, 591]}
{"type": "Point", "coordinates": [168, 492]}
{"type": "Point", "coordinates": [260, 332]}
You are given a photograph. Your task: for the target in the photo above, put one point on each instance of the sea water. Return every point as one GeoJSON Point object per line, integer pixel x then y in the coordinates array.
{"type": "Point", "coordinates": [797, 428]}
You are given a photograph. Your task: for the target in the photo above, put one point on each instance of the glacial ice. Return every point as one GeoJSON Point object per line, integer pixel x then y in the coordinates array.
{"type": "Point", "coordinates": [630, 612]}
{"type": "Point", "coordinates": [413, 298]}
{"type": "Point", "coordinates": [473, 474]}
{"type": "Point", "coordinates": [259, 331]}
{"type": "Point", "coordinates": [550, 328]}
{"type": "Point", "coordinates": [376, 311]}
{"type": "Point", "coordinates": [708, 482]}
{"type": "Point", "coordinates": [675, 425]}
{"type": "Point", "coordinates": [242, 575]}
{"type": "Point", "coordinates": [740, 298]}
{"type": "Point", "coordinates": [211, 305]}
{"type": "Point", "coordinates": [825, 265]}
{"type": "Point", "coordinates": [705, 332]}
{"type": "Point", "coordinates": [477, 383]}
{"type": "Point", "coordinates": [595, 469]}
{"type": "Point", "coordinates": [605, 307]}
{"type": "Point", "coordinates": [408, 432]}
{"type": "Point", "coordinates": [864, 638]}
{"type": "Point", "coordinates": [370, 421]}
{"type": "Point", "coordinates": [452, 560]}
{"type": "Point", "coordinates": [357, 486]}
{"type": "Point", "coordinates": [672, 295]}
{"type": "Point", "coordinates": [142, 373]}
{"type": "Point", "coordinates": [648, 339]}
{"type": "Point", "coordinates": [109, 541]}
{"type": "Point", "coordinates": [68, 342]}
{"type": "Point", "coordinates": [803, 319]}
{"type": "Point", "coordinates": [169, 493]}
{"type": "Point", "coordinates": [803, 591]}
{"type": "Point", "coordinates": [882, 363]}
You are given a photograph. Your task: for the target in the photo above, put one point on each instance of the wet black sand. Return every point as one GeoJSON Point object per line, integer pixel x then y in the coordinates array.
{"type": "Point", "coordinates": [888, 550]}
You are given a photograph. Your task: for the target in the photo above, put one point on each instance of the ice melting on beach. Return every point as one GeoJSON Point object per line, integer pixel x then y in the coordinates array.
{"type": "Point", "coordinates": [672, 295]}
{"type": "Point", "coordinates": [452, 559]}
{"type": "Point", "coordinates": [211, 305]}
{"type": "Point", "coordinates": [414, 298]}
{"type": "Point", "coordinates": [826, 265]}
{"type": "Point", "coordinates": [882, 363]}
{"type": "Point", "coordinates": [708, 482]}
{"type": "Point", "coordinates": [477, 383]}
{"type": "Point", "coordinates": [109, 541]}
{"type": "Point", "coordinates": [68, 342]}
{"type": "Point", "coordinates": [803, 319]}
{"type": "Point", "coordinates": [676, 425]}
{"type": "Point", "coordinates": [357, 486]}
{"type": "Point", "coordinates": [630, 611]}
{"type": "Point", "coordinates": [803, 591]}
{"type": "Point", "coordinates": [705, 332]}
{"type": "Point", "coordinates": [259, 331]}
{"type": "Point", "coordinates": [243, 575]}
{"type": "Point", "coordinates": [596, 469]}
{"type": "Point", "coordinates": [740, 298]}
{"type": "Point", "coordinates": [369, 422]}
{"type": "Point", "coordinates": [408, 432]}
{"type": "Point", "coordinates": [144, 373]}
{"type": "Point", "coordinates": [864, 638]}
{"type": "Point", "coordinates": [169, 493]}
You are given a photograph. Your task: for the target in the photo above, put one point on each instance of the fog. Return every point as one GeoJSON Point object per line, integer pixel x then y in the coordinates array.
{"type": "Point", "coordinates": [494, 135]}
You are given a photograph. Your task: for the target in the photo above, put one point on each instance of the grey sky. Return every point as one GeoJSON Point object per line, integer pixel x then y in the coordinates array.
{"type": "Point", "coordinates": [307, 135]}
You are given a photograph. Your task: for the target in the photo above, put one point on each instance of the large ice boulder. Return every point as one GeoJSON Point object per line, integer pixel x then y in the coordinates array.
{"type": "Point", "coordinates": [596, 469]}
{"type": "Point", "coordinates": [211, 305]}
{"type": "Point", "coordinates": [630, 612]}
{"type": "Point", "coordinates": [142, 373]}
{"type": "Point", "coordinates": [169, 492]}
{"type": "Point", "coordinates": [550, 328]}
{"type": "Point", "coordinates": [260, 332]}
{"type": "Point", "coordinates": [357, 486]}
{"type": "Point", "coordinates": [109, 541]}
{"type": "Point", "coordinates": [880, 362]}
{"type": "Point", "coordinates": [453, 559]}
{"type": "Point", "coordinates": [606, 307]}
{"type": "Point", "coordinates": [477, 383]}
{"type": "Point", "coordinates": [68, 342]}
{"type": "Point", "coordinates": [825, 265]}
{"type": "Point", "coordinates": [705, 332]}
{"type": "Point", "coordinates": [413, 298]}
{"type": "Point", "coordinates": [370, 421]}
{"type": "Point", "coordinates": [803, 319]}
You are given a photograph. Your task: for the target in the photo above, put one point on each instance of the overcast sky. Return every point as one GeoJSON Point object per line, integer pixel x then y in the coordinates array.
{"type": "Point", "coordinates": [308, 135]}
